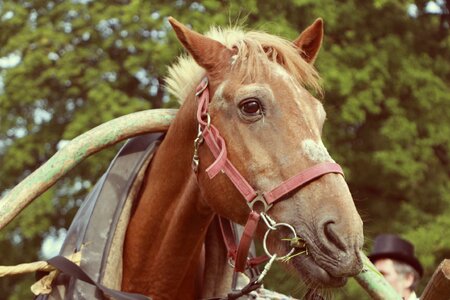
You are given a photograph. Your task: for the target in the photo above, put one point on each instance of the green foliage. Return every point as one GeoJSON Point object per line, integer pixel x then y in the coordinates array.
{"type": "Point", "coordinates": [82, 63]}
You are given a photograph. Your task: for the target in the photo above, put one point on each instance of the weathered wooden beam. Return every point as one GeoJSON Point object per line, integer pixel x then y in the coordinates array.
{"type": "Point", "coordinates": [78, 149]}
{"type": "Point", "coordinates": [374, 283]}
{"type": "Point", "coordinates": [439, 285]}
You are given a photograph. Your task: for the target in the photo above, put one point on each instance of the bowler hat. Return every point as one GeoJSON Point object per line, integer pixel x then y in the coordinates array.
{"type": "Point", "coordinates": [393, 247]}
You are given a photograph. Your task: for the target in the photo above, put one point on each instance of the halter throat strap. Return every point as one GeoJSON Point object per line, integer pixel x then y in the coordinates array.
{"type": "Point", "coordinates": [210, 134]}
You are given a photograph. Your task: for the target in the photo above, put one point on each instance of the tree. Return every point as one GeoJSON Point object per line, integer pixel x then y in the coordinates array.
{"type": "Point", "coordinates": [67, 66]}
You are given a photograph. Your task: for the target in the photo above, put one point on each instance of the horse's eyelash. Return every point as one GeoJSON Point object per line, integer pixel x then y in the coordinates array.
{"type": "Point", "coordinates": [263, 108]}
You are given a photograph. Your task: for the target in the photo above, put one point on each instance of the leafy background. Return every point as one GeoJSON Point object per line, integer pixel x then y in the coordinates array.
{"type": "Point", "coordinates": [67, 66]}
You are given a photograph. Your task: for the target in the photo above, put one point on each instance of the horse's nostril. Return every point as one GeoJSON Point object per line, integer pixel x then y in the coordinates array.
{"type": "Point", "coordinates": [332, 236]}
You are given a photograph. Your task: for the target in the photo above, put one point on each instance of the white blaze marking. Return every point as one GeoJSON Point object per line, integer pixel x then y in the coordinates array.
{"type": "Point", "coordinates": [316, 151]}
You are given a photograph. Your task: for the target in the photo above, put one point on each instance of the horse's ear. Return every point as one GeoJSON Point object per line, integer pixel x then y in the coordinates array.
{"type": "Point", "coordinates": [208, 53]}
{"type": "Point", "coordinates": [310, 40]}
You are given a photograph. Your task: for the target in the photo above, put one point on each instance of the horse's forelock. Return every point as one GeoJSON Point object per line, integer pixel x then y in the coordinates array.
{"type": "Point", "coordinates": [254, 52]}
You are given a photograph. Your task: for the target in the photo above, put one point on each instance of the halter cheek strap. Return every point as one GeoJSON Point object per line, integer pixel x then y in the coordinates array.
{"type": "Point", "coordinates": [217, 146]}
{"type": "Point", "coordinates": [210, 134]}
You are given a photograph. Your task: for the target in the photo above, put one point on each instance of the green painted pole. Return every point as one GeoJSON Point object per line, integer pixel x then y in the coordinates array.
{"type": "Point", "coordinates": [374, 283]}
{"type": "Point", "coordinates": [77, 150]}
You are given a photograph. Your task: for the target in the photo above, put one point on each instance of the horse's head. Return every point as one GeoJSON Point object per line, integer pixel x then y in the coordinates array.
{"type": "Point", "coordinates": [272, 127]}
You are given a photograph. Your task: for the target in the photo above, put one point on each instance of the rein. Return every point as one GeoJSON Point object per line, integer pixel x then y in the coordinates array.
{"type": "Point", "coordinates": [208, 133]}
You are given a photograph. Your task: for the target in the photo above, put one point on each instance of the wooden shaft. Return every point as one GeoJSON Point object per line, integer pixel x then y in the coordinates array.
{"type": "Point", "coordinates": [439, 285]}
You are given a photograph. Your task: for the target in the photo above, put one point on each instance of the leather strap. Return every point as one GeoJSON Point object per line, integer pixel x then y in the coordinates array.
{"type": "Point", "coordinates": [251, 286]}
{"type": "Point", "coordinates": [229, 238]}
{"type": "Point", "coordinates": [217, 146]}
{"type": "Point", "coordinates": [240, 262]}
{"type": "Point", "coordinates": [68, 267]}
{"type": "Point", "coordinates": [301, 179]}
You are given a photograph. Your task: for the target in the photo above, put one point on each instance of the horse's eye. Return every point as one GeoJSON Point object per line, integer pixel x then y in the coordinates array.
{"type": "Point", "coordinates": [251, 107]}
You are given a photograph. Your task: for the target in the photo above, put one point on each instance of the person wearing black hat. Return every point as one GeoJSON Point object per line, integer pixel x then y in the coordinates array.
{"type": "Point", "coordinates": [394, 258]}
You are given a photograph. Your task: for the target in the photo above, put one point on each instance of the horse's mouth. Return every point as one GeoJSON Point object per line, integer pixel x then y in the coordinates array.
{"type": "Point", "coordinates": [315, 275]}
{"type": "Point", "coordinates": [318, 264]}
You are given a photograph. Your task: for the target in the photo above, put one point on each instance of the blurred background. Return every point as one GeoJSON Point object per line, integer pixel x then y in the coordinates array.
{"type": "Point", "coordinates": [67, 66]}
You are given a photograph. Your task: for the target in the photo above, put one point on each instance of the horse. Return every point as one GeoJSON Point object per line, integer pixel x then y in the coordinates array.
{"type": "Point", "coordinates": [251, 130]}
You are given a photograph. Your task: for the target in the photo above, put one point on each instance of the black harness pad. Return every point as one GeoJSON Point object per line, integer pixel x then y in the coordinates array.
{"type": "Point", "coordinates": [96, 222]}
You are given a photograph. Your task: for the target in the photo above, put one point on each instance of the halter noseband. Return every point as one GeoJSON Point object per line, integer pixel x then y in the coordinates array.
{"type": "Point", "coordinates": [210, 134]}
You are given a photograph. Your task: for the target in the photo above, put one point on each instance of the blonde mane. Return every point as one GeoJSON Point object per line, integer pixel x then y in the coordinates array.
{"type": "Point", "coordinates": [254, 50]}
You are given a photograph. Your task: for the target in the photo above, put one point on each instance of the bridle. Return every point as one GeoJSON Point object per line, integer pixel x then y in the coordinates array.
{"type": "Point", "coordinates": [209, 134]}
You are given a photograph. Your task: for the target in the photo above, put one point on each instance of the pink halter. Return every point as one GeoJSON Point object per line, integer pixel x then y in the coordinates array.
{"type": "Point", "coordinates": [210, 134]}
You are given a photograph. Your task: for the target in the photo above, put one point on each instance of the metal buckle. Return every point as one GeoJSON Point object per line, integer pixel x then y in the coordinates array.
{"type": "Point", "coordinates": [197, 142]}
{"type": "Point", "coordinates": [208, 122]}
{"type": "Point", "coordinates": [266, 269]}
{"type": "Point", "coordinates": [231, 262]}
{"type": "Point", "coordinates": [259, 198]}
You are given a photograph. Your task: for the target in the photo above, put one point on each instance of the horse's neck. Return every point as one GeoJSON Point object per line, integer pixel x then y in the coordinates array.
{"type": "Point", "coordinates": [166, 232]}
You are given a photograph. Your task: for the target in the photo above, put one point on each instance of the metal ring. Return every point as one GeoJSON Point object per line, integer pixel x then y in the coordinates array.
{"type": "Point", "coordinates": [265, 241]}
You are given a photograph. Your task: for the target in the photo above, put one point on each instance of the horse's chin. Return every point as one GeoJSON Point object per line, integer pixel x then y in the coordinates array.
{"type": "Point", "coordinates": [314, 275]}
